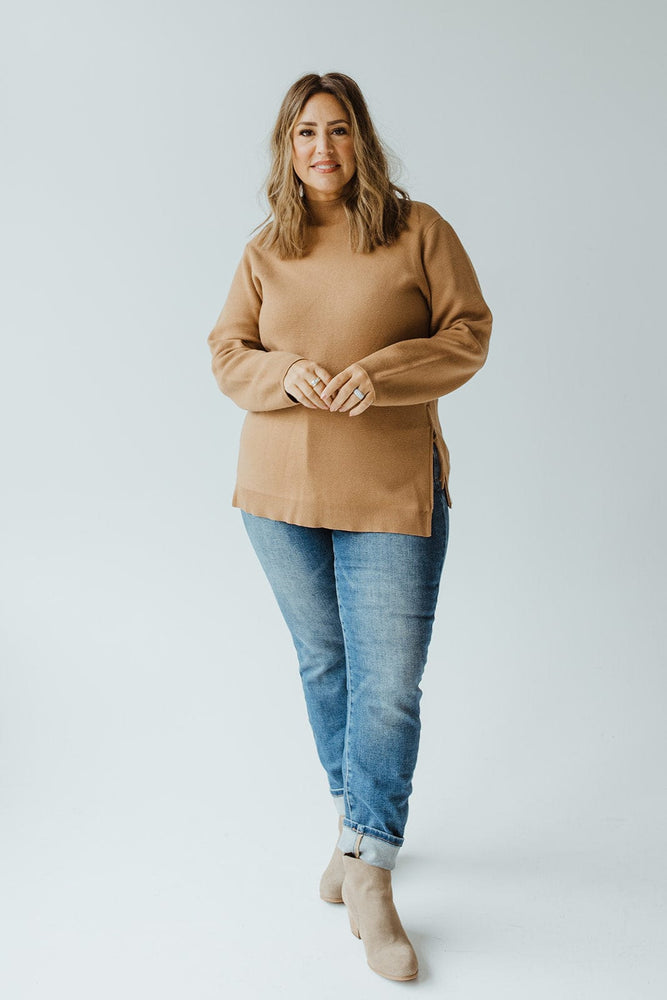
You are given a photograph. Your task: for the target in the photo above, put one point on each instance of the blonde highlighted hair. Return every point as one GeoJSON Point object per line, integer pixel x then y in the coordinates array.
{"type": "Point", "coordinates": [376, 208]}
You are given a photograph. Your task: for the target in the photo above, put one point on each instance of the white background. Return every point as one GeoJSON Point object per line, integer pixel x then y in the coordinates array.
{"type": "Point", "coordinates": [165, 819]}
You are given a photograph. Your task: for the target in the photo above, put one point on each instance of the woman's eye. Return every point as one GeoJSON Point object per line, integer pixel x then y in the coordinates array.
{"type": "Point", "coordinates": [307, 132]}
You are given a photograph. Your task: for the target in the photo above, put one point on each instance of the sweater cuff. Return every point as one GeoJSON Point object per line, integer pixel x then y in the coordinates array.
{"type": "Point", "coordinates": [289, 396]}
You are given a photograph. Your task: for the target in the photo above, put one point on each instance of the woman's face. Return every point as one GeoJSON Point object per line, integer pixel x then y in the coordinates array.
{"type": "Point", "coordinates": [322, 148]}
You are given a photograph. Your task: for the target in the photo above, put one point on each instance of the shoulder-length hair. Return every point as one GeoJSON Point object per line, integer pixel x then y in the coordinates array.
{"type": "Point", "coordinates": [376, 208]}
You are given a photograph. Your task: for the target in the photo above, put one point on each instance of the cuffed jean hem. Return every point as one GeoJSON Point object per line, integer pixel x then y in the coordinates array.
{"type": "Point", "coordinates": [372, 850]}
{"type": "Point", "coordinates": [339, 802]}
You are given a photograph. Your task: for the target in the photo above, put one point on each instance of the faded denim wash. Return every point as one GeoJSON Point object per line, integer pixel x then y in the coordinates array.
{"type": "Point", "coordinates": [360, 607]}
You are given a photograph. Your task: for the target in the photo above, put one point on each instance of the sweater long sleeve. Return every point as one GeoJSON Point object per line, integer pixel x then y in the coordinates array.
{"type": "Point", "coordinates": [244, 369]}
{"type": "Point", "coordinates": [425, 368]}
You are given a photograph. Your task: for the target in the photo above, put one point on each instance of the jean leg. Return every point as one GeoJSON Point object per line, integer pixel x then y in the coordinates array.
{"type": "Point", "coordinates": [387, 591]}
{"type": "Point", "coordinates": [298, 563]}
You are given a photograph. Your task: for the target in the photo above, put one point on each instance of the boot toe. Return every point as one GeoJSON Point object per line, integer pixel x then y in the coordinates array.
{"type": "Point", "coordinates": [395, 961]}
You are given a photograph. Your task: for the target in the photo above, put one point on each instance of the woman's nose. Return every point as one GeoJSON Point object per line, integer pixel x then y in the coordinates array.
{"type": "Point", "coordinates": [324, 144]}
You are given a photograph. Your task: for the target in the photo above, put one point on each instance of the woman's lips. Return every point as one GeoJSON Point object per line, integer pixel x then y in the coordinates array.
{"type": "Point", "coordinates": [325, 167]}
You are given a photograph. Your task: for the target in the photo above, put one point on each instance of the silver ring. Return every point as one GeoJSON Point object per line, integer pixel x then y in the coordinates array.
{"type": "Point", "coordinates": [359, 394]}
{"type": "Point", "coordinates": [314, 382]}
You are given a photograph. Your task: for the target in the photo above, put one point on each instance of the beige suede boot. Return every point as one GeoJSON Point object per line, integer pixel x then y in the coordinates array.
{"type": "Point", "coordinates": [332, 876]}
{"type": "Point", "coordinates": [368, 896]}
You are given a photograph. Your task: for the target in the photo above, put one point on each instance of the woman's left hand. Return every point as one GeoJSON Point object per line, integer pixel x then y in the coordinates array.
{"type": "Point", "coordinates": [342, 392]}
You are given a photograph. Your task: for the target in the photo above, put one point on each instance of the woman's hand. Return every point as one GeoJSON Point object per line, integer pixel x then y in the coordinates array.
{"type": "Point", "coordinates": [342, 392]}
{"type": "Point", "coordinates": [305, 380]}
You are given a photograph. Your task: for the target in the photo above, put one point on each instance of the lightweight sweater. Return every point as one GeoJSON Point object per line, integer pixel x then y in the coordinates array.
{"type": "Point", "coordinates": [411, 314]}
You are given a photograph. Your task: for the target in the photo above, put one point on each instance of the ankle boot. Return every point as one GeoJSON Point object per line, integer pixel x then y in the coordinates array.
{"type": "Point", "coordinates": [369, 899]}
{"type": "Point", "coordinates": [332, 876]}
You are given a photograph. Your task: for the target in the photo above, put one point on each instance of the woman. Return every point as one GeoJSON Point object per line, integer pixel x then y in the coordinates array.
{"type": "Point", "coordinates": [351, 312]}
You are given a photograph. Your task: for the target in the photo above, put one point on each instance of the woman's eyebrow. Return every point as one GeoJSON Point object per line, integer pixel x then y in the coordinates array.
{"type": "Point", "coordinates": [336, 122]}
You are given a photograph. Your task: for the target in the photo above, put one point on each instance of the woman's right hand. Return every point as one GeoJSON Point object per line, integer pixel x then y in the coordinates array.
{"type": "Point", "coordinates": [304, 381]}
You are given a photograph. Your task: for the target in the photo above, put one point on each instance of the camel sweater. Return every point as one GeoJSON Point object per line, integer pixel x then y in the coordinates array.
{"type": "Point", "coordinates": [411, 314]}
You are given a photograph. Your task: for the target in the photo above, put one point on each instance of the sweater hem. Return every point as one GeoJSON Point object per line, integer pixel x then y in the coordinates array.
{"type": "Point", "coordinates": [316, 514]}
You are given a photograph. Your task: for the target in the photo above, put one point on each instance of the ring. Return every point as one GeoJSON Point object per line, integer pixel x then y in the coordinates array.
{"type": "Point", "coordinates": [314, 382]}
{"type": "Point", "coordinates": [359, 394]}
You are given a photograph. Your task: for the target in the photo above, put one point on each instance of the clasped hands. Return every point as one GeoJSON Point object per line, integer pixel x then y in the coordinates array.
{"type": "Point", "coordinates": [312, 386]}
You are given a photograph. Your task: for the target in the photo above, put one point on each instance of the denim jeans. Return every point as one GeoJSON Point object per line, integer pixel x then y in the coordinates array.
{"type": "Point", "coordinates": [360, 607]}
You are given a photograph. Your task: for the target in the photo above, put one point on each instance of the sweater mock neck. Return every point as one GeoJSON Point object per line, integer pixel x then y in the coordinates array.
{"type": "Point", "coordinates": [327, 213]}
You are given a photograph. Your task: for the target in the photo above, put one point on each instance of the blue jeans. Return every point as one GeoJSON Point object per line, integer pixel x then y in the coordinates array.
{"type": "Point", "coordinates": [360, 607]}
